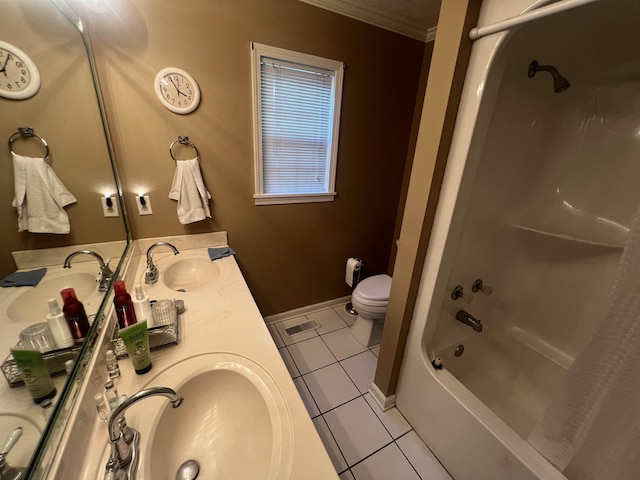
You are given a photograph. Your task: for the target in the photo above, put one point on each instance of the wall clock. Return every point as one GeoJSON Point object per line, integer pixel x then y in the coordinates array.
{"type": "Point", "coordinates": [177, 90]}
{"type": "Point", "coordinates": [19, 76]}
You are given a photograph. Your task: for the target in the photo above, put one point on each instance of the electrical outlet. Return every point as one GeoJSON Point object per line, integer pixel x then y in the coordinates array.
{"type": "Point", "coordinates": [109, 206]}
{"type": "Point", "coordinates": [144, 205]}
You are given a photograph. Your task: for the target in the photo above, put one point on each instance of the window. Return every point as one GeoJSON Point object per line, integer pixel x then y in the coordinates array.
{"type": "Point", "coordinates": [296, 99]}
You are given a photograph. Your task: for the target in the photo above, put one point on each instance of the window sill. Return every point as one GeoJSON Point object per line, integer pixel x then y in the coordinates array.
{"type": "Point", "coordinates": [261, 199]}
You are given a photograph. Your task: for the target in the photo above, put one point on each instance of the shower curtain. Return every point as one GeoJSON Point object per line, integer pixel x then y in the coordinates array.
{"type": "Point", "coordinates": [591, 427]}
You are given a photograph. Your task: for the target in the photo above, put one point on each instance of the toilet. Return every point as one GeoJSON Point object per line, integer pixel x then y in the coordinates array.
{"type": "Point", "coordinates": [370, 299]}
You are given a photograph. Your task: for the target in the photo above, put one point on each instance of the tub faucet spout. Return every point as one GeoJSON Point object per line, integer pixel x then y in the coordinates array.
{"type": "Point", "coordinates": [469, 319]}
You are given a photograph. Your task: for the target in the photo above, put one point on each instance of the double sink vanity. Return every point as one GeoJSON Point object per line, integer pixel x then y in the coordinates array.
{"type": "Point", "coordinates": [242, 416]}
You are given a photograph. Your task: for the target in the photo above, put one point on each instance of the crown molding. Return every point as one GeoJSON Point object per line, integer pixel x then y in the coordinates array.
{"type": "Point", "coordinates": [376, 19]}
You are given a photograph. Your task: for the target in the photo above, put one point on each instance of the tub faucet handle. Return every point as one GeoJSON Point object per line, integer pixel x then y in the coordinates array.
{"type": "Point", "coordinates": [458, 293]}
{"type": "Point", "coordinates": [479, 286]}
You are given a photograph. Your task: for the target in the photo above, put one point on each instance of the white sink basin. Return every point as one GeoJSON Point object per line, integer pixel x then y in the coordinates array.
{"type": "Point", "coordinates": [234, 421]}
{"type": "Point", "coordinates": [190, 274]}
{"type": "Point", "coordinates": [31, 305]}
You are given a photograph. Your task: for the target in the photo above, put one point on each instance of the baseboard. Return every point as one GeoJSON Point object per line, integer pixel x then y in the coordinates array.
{"type": "Point", "coordinates": [306, 310]}
{"type": "Point", "coordinates": [384, 402]}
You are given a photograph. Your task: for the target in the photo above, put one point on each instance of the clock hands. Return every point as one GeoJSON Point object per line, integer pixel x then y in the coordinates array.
{"type": "Point", "coordinates": [4, 67]}
{"type": "Point", "coordinates": [176, 87]}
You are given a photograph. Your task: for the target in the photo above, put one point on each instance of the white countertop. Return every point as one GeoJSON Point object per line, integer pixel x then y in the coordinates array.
{"type": "Point", "coordinates": [220, 318]}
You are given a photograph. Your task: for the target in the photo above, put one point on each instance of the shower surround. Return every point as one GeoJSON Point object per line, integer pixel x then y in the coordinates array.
{"type": "Point", "coordinates": [538, 199]}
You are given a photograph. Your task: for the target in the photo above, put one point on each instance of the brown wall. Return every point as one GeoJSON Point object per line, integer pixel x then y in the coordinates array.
{"type": "Point", "coordinates": [65, 113]}
{"type": "Point", "coordinates": [291, 255]}
{"type": "Point", "coordinates": [448, 68]}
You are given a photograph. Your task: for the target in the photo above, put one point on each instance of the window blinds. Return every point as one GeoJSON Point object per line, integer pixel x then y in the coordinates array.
{"type": "Point", "coordinates": [296, 115]}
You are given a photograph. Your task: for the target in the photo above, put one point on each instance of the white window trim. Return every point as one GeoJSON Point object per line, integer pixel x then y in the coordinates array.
{"type": "Point", "coordinates": [257, 51]}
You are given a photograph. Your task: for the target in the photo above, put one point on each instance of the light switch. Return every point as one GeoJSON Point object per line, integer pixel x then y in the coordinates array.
{"type": "Point", "coordinates": [109, 206]}
{"type": "Point", "coordinates": [144, 205]}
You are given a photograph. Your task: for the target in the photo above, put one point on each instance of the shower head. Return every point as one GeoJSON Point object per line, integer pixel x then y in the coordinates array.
{"type": "Point", "coordinates": [560, 84]}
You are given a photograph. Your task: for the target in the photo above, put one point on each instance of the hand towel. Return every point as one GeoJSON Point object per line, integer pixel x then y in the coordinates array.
{"type": "Point", "coordinates": [40, 196]}
{"type": "Point", "coordinates": [189, 190]}
{"type": "Point", "coordinates": [23, 279]}
{"type": "Point", "coordinates": [220, 252]}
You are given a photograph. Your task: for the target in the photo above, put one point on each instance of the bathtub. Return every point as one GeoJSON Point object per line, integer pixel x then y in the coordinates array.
{"type": "Point", "coordinates": [530, 231]}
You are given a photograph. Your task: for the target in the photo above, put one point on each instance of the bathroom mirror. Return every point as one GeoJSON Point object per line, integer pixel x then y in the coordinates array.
{"type": "Point", "coordinates": [65, 112]}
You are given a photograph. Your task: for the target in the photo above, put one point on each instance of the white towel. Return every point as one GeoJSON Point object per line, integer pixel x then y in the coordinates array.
{"type": "Point", "coordinates": [39, 196]}
{"type": "Point", "coordinates": [189, 190]}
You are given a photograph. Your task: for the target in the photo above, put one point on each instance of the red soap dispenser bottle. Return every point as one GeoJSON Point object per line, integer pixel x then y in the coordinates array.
{"type": "Point", "coordinates": [124, 306]}
{"type": "Point", "coordinates": [75, 315]}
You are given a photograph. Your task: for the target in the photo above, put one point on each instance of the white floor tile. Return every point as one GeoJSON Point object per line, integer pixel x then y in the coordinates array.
{"type": "Point", "coordinates": [329, 320]}
{"type": "Point", "coordinates": [307, 398]}
{"type": "Point", "coordinates": [425, 462]}
{"type": "Point", "coordinates": [330, 444]}
{"type": "Point", "coordinates": [311, 355]}
{"type": "Point", "coordinates": [299, 337]}
{"type": "Point", "coordinates": [346, 316]}
{"type": "Point", "coordinates": [288, 361]}
{"type": "Point", "coordinates": [342, 343]}
{"type": "Point", "coordinates": [330, 387]}
{"type": "Point", "coordinates": [392, 419]}
{"type": "Point", "coordinates": [357, 430]}
{"type": "Point", "coordinates": [388, 463]}
{"type": "Point", "coordinates": [376, 350]}
{"type": "Point", "coordinates": [277, 339]}
{"type": "Point", "coordinates": [361, 368]}
{"type": "Point", "coordinates": [347, 475]}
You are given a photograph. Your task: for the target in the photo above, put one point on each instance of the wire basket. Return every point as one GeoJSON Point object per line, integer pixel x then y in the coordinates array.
{"type": "Point", "coordinates": [162, 336]}
{"type": "Point", "coordinates": [54, 360]}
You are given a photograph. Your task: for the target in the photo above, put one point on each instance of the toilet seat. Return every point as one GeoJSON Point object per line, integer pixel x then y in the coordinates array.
{"type": "Point", "coordinates": [370, 299]}
{"type": "Point", "coordinates": [373, 291]}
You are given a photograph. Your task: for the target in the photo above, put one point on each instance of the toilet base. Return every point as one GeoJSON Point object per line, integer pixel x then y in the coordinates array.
{"type": "Point", "coordinates": [366, 331]}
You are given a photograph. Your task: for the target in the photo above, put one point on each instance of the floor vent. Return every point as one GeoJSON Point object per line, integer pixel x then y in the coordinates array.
{"type": "Point", "coordinates": [295, 329]}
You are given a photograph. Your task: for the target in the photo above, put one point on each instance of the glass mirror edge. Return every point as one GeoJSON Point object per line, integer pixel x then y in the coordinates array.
{"type": "Point", "coordinates": [50, 440]}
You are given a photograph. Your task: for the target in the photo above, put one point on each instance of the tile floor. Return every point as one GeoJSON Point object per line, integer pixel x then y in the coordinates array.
{"type": "Point", "coordinates": [332, 372]}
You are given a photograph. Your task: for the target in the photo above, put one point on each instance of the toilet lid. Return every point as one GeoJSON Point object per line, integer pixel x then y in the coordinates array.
{"type": "Point", "coordinates": [374, 288]}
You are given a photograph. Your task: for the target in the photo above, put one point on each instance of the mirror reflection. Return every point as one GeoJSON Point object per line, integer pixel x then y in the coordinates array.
{"type": "Point", "coordinates": [55, 179]}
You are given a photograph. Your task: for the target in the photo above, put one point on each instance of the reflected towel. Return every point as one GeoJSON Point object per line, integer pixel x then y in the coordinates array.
{"type": "Point", "coordinates": [23, 279]}
{"type": "Point", "coordinates": [189, 190]}
{"type": "Point", "coordinates": [39, 196]}
{"type": "Point", "coordinates": [220, 252]}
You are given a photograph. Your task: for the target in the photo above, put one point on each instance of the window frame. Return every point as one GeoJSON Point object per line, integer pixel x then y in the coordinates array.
{"type": "Point", "coordinates": [257, 52]}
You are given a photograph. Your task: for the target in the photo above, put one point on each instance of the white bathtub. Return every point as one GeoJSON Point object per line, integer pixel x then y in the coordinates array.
{"type": "Point", "coordinates": [551, 283]}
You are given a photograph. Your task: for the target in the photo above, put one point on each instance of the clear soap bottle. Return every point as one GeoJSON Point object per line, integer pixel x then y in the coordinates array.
{"type": "Point", "coordinates": [113, 369]}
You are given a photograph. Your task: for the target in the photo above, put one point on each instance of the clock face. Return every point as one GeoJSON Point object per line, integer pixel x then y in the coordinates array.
{"type": "Point", "coordinates": [19, 76]}
{"type": "Point", "coordinates": [177, 90]}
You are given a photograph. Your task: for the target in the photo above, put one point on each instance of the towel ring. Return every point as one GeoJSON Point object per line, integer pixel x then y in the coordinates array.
{"type": "Point", "coordinates": [27, 132]}
{"type": "Point", "coordinates": [184, 141]}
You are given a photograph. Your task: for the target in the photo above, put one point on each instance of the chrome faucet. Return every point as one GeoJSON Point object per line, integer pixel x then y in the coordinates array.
{"type": "Point", "coordinates": [7, 472]}
{"type": "Point", "coordinates": [104, 276]}
{"type": "Point", "coordinates": [151, 274]}
{"type": "Point", "coordinates": [469, 319]}
{"type": "Point", "coordinates": [125, 441]}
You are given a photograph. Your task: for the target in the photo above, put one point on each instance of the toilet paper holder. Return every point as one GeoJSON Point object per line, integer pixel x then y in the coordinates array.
{"type": "Point", "coordinates": [356, 279]}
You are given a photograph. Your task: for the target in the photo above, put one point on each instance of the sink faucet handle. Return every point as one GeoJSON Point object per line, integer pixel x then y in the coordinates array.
{"type": "Point", "coordinates": [11, 441]}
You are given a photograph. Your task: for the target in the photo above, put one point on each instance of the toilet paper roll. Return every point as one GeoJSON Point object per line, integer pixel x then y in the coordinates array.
{"type": "Point", "coordinates": [353, 265]}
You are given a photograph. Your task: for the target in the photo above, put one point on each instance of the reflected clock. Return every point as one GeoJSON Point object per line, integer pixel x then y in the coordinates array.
{"type": "Point", "coordinates": [19, 76]}
{"type": "Point", "coordinates": [177, 90]}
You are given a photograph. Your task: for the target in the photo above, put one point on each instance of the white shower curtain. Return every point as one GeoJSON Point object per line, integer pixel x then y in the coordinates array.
{"type": "Point", "coordinates": [591, 427]}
